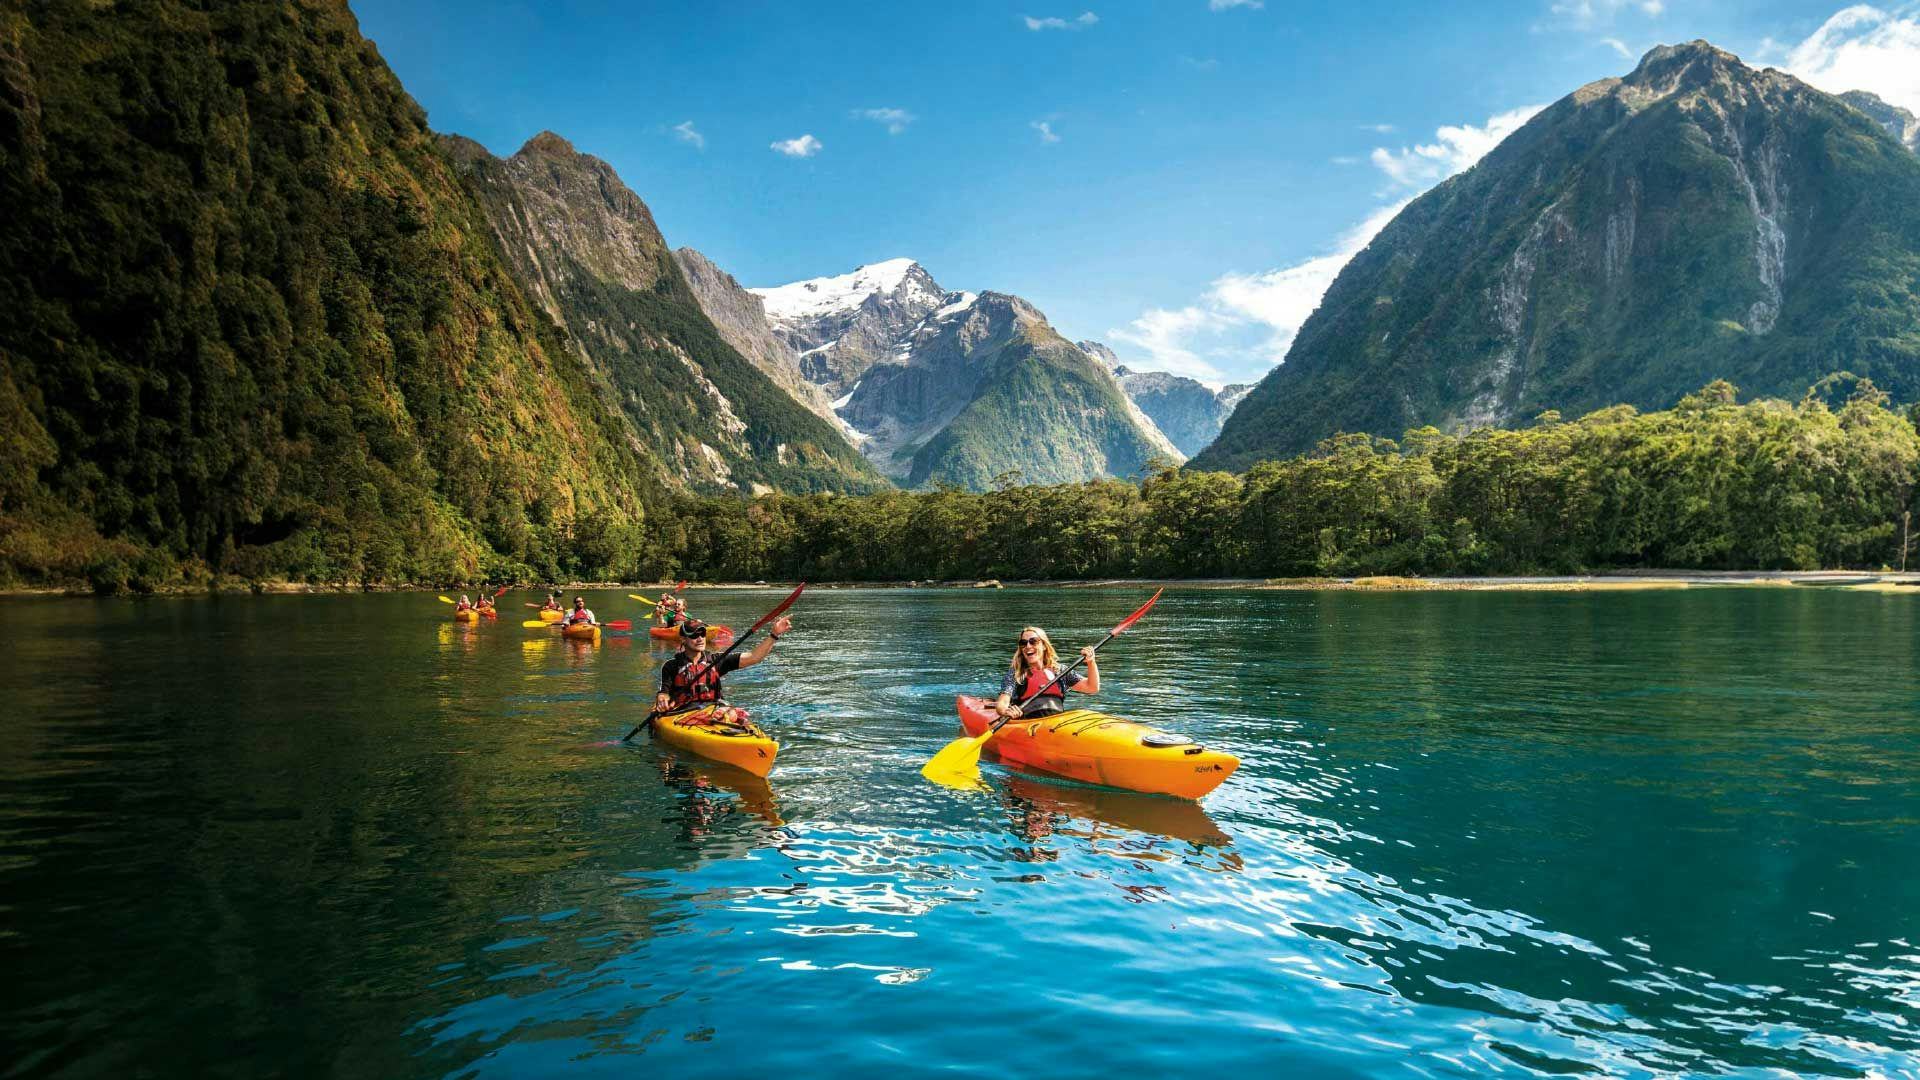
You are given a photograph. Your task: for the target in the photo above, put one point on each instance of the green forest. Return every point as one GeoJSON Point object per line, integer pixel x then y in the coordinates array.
{"type": "Point", "coordinates": [1709, 484]}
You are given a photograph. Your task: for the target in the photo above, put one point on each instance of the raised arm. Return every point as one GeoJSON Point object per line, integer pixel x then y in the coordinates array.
{"type": "Point", "coordinates": [759, 652]}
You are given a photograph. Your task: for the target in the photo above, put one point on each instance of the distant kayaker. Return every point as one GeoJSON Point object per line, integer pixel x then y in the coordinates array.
{"type": "Point", "coordinates": [671, 609]}
{"type": "Point", "coordinates": [553, 603]}
{"type": "Point", "coordinates": [580, 614]}
{"type": "Point", "coordinates": [1034, 666]}
{"type": "Point", "coordinates": [688, 678]}
{"type": "Point", "coordinates": [464, 604]}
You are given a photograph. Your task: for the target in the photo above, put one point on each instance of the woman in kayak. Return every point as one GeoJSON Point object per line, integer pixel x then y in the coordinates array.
{"type": "Point", "coordinates": [1034, 666]}
{"type": "Point", "coordinates": [553, 603]}
{"type": "Point", "coordinates": [580, 615]}
{"type": "Point", "coordinates": [464, 604]}
{"type": "Point", "coordinates": [688, 678]}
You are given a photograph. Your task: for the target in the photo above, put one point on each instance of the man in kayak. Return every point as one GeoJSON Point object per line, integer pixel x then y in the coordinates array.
{"type": "Point", "coordinates": [670, 609]}
{"type": "Point", "coordinates": [688, 678]}
{"type": "Point", "coordinates": [1034, 666]}
{"type": "Point", "coordinates": [580, 615]}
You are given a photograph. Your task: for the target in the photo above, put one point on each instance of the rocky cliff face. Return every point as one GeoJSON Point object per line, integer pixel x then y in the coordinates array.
{"type": "Point", "coordinates": [741, 318]}
{"type": "Point", "coordinates": [1697, 219]}
{"type": "Point", "coordinates": [589, 250]}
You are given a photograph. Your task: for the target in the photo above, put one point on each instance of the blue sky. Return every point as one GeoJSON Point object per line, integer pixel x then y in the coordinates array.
{"type": "Point", "coordinates": [1179, 178]}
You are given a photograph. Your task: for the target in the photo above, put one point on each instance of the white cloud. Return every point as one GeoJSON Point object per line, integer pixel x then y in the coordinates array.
{"type": "Point", "coordinates": [895, 120]}
{"type": "Point", "coordinates": [1618, 46]}
{"type": "Point", "coordinates": [1456, 147]}
{"type": "Point", "coordinates": [685, 133]}
{"type": "Point", "coordinates": [1863, 48]}
{"type": "Point", "coordinates": [1086, 19]}
{"type": "Point", "coordinates": [1227, 5]}
{"type": "Point", "coordinates": [802, 147]}
{"type": "Point", "coordinates": [1045, 128]}
{"type": "Point", "coordinates": [1245, 323]}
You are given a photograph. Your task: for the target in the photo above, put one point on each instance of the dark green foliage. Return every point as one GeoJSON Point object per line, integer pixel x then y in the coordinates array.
{"type": "Point", "coordinates": [255, 324]}
{"type": "Point", "coordinates": [1710, 484]}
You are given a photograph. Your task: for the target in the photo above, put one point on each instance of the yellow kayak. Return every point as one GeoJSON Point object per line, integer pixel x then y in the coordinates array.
{"type": "Point", "coordinates": [468, 615]}
{"type": "Point", "coordinates": [581, 632]}
{"type": "Point", "coordinates": [719, 733]}
{"type": "Point", "coordinates": [550, 615]}
{"type": "Point", "coordinates": [1095, 748]}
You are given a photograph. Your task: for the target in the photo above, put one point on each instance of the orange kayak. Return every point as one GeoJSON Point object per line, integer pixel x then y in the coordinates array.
{"type": "Point", "coordinates": [1095, 748]}
{"type": "Point", "coordinates": [719, 638]}
{"type": "Point", "coordinates": [719, 733]}
{"type": "Point", "coordinates": [581, 632]}
{"type": "Point", "coordinates": [468, 615]}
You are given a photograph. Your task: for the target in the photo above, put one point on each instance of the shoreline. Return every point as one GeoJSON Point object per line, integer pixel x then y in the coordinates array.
{"type": "Point", "coordinates": [1616, 581]}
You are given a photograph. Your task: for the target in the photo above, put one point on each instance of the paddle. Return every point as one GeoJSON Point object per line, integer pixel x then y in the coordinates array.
{"type": "Point", "coordinates": [444, 599]}
{"type": "Point", "coordinates": [642, 599]}
{"type": "Point", "coordinates": [541, 624]}
{"type": "Point", "coordinates": [961, 756]}
{"type": "Point", "coordinates": [714, 664]}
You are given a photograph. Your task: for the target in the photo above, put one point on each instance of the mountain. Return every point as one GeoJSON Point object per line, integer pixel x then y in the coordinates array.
{"type": "Point", "coordinates": [1188, 411]}
{"type": "Point", "coordinates": [838, 327]}
{"type": "Point", "coordinates": [256, 323]}
{"type": "Point", "coordinates": [958, 387]}
{"type": "Point", "coordinates": [1901, 124]}
{"type": "Point", "coordinates": [588, 249]}
{"type": "Point", "coordinates": [741, 318]}
{"type": "Point", "coordinates": [1641, 237]}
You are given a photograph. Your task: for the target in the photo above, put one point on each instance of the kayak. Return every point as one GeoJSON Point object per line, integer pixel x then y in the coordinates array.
{"type": "Point", "coordinates": [489, 613]}
{"type": "Point", "coordinates": [738, 742]}
{"type": "Point", "coordinates": [581, 632]}
{"type": "Point", "coordinates": [550, 615]}
{"type": "Point", "coordinates": [466, 616]}
{"type": "Point", "coordinates": [1095, 748]}
{"type": "Point", "coordinates": [719, 638]}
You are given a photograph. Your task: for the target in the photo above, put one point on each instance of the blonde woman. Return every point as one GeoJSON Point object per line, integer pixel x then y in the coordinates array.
{"type": "Point", "coordinates": [1034, 666]}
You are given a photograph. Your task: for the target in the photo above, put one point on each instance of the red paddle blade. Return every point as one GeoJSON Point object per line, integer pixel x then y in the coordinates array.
{"type": "Point", "coordinates": [1135, 617]}
{"type": "Point", "coordinates": [775, 613]}
{"type": "Point", "coordinates": [682, 587]}
{"type": "Point", "coordinates": [499, 592]}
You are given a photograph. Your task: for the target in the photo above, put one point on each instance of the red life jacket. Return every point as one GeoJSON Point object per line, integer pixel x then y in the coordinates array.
{"type": "Point", "coordinates": [1038, 678]}
{"type": "Point", "coordinates": [695, 683]}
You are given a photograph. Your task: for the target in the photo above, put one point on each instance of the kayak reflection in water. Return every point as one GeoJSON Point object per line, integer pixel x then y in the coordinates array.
{"type": "Point", "coordinates": [688, 678]}
{"type": "Point", "coordinates": [1034, 666]}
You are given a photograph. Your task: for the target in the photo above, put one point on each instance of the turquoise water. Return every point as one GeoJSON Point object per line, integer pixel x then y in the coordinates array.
{"type": "Point", "coordinates": [1474, 834]}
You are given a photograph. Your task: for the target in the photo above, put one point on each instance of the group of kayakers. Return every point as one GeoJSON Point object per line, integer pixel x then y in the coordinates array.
{"type": "Point", "coordinates": [483, 606]}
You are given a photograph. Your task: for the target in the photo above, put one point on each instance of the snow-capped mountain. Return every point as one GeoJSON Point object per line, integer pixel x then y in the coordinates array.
{"type": "Point", "coordinates": [957, 387]}
{"type": "Point", "coordinates": [839, 326]}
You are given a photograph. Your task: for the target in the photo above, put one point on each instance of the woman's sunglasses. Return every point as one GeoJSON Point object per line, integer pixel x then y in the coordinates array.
{"type": "Point", "coordinates": [1025, 641]}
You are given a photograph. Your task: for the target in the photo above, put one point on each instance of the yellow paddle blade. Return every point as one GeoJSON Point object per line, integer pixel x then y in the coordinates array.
{"type": "Point", "coordinates": [959, 759]}
{"type": "Point", "coordinates": [538, 624]}
{"type": "Point", "coordinates": [642, 599]}
{"type": "Point", "coordinates": [444, 599]}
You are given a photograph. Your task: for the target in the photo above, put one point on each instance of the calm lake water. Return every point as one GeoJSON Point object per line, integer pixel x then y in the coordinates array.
{"type": "Point", "coordinates": [1475, 833]}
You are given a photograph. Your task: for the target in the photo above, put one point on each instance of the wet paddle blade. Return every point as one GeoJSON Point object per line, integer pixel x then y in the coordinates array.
{"type": "Point", "coordinates": [958, 760]}
{"type": "Point", "coordinates": [1135, 617]}
{"type": "Point", "coordinates": [538, 624]}
{"type": "Point", "coordinates": [444, 599]}
{"type": "Point", "coordinates": [642, 599]}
